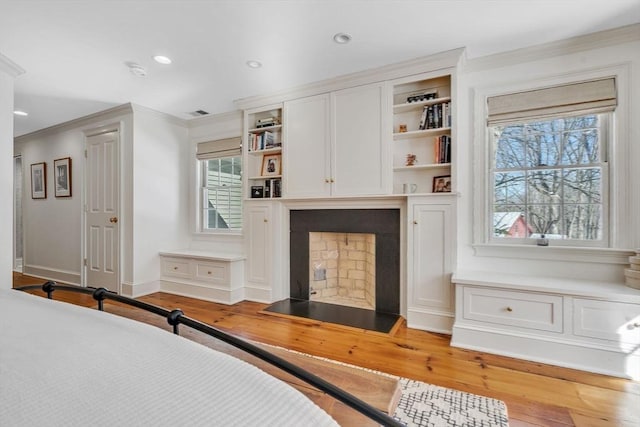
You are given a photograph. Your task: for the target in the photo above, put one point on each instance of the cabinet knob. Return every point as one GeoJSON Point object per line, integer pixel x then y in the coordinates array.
{"type": "Point", "coordinates": [175, 268]}
{"type": "Point", "coordinates": [415, 222]}
{"type": "Point", "coordinates": [635, 325]}
{"type": "Point", "coordinates": [509, 309]}
{"type": "Point", "coordinates": [208, 272]}
{"type": "Point", "coordinates": [332, 181]}
{"type": "Point", "coordinates": [326, 180]}
{"type": "Point", "coordinates": [265, 220]}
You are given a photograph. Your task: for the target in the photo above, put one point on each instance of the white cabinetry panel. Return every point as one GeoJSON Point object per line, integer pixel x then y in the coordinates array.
{"type": "Point", "coordinates": [615, 321]}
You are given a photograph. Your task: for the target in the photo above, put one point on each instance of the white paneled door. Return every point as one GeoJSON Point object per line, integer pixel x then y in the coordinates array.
{"type": "Point", "coordinates": [102, 232]}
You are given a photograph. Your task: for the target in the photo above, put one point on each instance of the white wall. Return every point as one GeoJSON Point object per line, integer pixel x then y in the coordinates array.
{"type": "Point", "coordinates": [203, 129]}
{"type": "Point", "coordinates": [159, 192]}
{"type": "Point", "coordinates": [8, 71]}
{"type": "Point", "coordinates": [53, 227]}
{"type": "Point", "coordinates": [553, 64]}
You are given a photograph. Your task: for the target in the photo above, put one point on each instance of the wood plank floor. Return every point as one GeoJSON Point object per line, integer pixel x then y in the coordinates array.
{"type": "Point", "coordinates": [535, 394]}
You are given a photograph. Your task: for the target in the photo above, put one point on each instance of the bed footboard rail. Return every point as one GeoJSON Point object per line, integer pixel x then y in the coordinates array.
{"type": "Point", "coordinates": [176, 317]}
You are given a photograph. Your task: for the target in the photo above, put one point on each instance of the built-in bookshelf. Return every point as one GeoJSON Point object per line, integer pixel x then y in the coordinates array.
{"type": "Point", "coordinates": [422, 142]}
{"type": "Point", "coordinates": [263, 147]}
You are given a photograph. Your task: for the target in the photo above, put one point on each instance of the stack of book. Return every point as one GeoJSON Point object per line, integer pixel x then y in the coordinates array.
{"type": "Point", "coordinates": [442, 149]}
{"type": "Point", "coordinates": [262, 141]}
{"type": "Point", "coordinates": [272, 188]}
{"type": "Point", "coordinates": [632, 274]}
{"type": "Point", "coordinates": [436, 116]}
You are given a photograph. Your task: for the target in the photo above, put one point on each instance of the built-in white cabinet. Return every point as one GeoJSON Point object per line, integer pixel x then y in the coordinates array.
{"type": "Point", "coordinates": [593, 326]}
{"type": "Point", "coordinates": [261, 226]}
{"type": "Point", "coordinates": [307, 160]}
{"type": "Point", "coordinates": [430, 240]}
{"type": "Point", "coordinates": [336, 144]}
{"type": "Point", "coordinates": [262, 152]}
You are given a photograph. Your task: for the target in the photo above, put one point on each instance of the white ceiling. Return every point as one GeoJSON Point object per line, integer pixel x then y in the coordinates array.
{"type": "Point", "coordinates": [74, 52]}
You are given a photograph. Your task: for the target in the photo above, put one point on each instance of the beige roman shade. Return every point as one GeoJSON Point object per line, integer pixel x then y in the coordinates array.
{"type": "Point", "coordinates": [228, 147]}
{"type": "Point", "coordinates": [595, 96]}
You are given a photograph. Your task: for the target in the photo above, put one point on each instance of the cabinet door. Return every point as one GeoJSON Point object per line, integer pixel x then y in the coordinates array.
{"type": "Point", "coordinates": [259, 239]}
{"type": "Point", "coordinates": [358, 150]}
{"type": "Point", "coordinates": [306, 155]}
{"type": "Point", "coordinates": [430, 261]}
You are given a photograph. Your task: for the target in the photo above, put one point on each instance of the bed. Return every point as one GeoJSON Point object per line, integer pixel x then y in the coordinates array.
{"type": "Point", "coordinates": [62, 364]}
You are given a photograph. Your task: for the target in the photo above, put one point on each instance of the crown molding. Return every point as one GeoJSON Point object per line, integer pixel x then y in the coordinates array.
{"type": "Point", "coordinates": [214, 118]}
{"type": "Point", "coordinates": [439, 61]}
{"type": "Point", "coordinates": [601, 39]}
{"type": "Point", "coordinates": [90, 119]}
{"type": "Point", "coordinates": [10, 67]}
{"type": "Point", "coordinates": [139, 109]}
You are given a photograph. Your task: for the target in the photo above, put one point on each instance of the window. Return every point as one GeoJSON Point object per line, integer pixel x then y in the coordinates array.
{"type": "Point", "coordinates": [548, 179]}
{"type": "Point", "coordinates": [220, 201]}
{"type": "Point", "coordinates": [548, 164]}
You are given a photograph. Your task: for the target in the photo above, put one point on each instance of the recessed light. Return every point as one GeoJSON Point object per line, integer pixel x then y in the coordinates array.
{"type": "Point", "coordinates": [161, 59]}
{"type": "Point", "coordinates": [254, 64]}
{"type": "Point", "coordinates": [20, 113]}
{"type": "Point", "coordinates": [342, 38]}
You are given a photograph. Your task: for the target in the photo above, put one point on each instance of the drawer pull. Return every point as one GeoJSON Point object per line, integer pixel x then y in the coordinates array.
{"type": "Point", "coordinates": [175, 268]}
{"type": "Point", "coordinates": [208, 272]}
{"type": "Point", "coordinates": [635, 325]}
{"type": "Point", "coordinates": [509, 309]}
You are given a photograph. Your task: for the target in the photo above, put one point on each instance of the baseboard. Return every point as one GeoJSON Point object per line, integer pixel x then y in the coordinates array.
{"type": "Point", "coordinates": [256, 294]}
{"type": "Point", "coordinates": [432, 321]}
{"type": "Point", "coordinates": [207, 293]}
{"type": "Point", "coordinates": [132, 290]}
{"type": "Point", "coordinates": [69, 277]}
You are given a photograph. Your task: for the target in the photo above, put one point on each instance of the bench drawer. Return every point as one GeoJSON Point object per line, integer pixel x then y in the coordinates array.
{"type": "Point", "coordinates": [608, 320]}
{"type": "Point", "coordinates": [513, 309]}
{"type": "Point", "coordinates": [175, 267]}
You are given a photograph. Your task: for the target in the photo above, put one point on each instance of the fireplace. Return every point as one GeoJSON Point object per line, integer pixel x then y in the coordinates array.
{"type": "Point", "coordinates": [371, 236]}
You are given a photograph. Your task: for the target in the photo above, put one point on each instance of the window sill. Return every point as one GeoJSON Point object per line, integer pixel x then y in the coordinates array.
{"type": "Point", "coordinates": [555, 253]}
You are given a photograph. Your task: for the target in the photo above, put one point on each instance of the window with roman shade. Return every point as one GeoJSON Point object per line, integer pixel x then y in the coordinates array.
{"type": "Point", "coordinates": [220, 201]}
{"type": "Point", "coordinates": [549, 172]}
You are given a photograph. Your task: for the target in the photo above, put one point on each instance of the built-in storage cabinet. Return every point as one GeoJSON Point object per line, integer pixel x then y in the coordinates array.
{"type": "Point", "coordinates": [593, 326]}
{"type": "Point", "coordinates": [430, 239]}
{"type": "Point", "coordinates": [335, 144]}
{"type": "Point", "coordinates": [307, 160]}
{"type": "Point", "coordinates": [422, 133]}
{"type": "Point", "coordinates": [263, 152]}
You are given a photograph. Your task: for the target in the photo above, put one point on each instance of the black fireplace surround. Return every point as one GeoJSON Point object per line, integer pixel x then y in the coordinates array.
{"type": "Point", "coordinates": [383, 223]}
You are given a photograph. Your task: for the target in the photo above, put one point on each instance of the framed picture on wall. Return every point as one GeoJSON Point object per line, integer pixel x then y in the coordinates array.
{"type": "Point", "coordinates": [39, 180]}
{"type": "Point", "coordinates": [62, 174]}
{"type": "Point", "coordinates": [271, 165]}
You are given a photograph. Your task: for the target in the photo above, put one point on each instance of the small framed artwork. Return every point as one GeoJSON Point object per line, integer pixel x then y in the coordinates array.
{"type": "Point", "coordinates": [62, 174]}
{"type": "Point", "coordinates": [39, 180]}
{"type": "Point", "coordinates": [271, 164]}
{"type": "Point", "coordinates": [442, 184]}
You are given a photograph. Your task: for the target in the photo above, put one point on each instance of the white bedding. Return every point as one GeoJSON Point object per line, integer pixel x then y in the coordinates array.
{"type": "Point", "coordinates": [64, 365]}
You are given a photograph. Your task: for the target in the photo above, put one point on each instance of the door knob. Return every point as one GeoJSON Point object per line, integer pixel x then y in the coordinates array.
{"type": "Point", "coordinates": [113, 219]}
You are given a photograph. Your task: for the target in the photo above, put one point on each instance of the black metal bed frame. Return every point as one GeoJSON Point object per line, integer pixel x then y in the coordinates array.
{"type": "Point", "coordinates": [177, 317]}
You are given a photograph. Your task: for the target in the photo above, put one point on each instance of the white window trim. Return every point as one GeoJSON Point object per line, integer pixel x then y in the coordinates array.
{"type": "Point", "coordinates": [200, 229]}
{"type": "Point", "coordinates": [620, 202]}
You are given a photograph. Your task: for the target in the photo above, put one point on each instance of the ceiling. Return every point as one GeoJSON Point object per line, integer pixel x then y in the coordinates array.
{"type": "Point", "coordinates": [74, 53]}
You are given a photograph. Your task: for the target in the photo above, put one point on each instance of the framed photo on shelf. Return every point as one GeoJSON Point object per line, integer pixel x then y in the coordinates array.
{"type": "Point", "coordinates": [62, 175]}
{"type": "Point", "coordinates": [271, 164]}
{"type": "Point", "coordinates": [39, 180]}
{"type": "Point", "coordinates": [442, 184]}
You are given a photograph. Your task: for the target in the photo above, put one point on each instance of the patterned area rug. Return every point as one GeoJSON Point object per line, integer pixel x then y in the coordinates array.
{"type": "Point", "coordinates": [427, 405]}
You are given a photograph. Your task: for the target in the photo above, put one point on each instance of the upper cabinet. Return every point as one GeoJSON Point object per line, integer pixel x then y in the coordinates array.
{"type": "Point", "coordinates": [423, 139]}
{"type": "Point", "coordinates": [336, 144]}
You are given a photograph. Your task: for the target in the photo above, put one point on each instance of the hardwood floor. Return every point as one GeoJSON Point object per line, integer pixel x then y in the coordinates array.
{"type": "Point", "coordinates": [535, 394]}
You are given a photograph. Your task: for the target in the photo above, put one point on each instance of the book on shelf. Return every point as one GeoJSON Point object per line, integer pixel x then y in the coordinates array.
{"type": "Point", "coordinates": [442, 149]}
{"type": "Point", "coordinates": [272, 188]}
{"type": "Point", "coordinates": [435, 116]}
{"type": "Point", "coordinates": [262, 141]}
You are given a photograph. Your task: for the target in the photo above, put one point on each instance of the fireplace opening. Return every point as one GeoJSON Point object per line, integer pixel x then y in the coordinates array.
{"type": "Point", "coordinates": [342, 269]}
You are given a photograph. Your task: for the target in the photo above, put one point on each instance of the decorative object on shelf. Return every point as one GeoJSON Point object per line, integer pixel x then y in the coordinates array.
{"type": "Point", "coordinates": [39, 180]}
{"type": "Point", "coordinates": [267, 122]}
{"type": "Point", "coordinates": [271, 164]}
{"type": "Point", "coordinates": [402, 128]}
{"type": "Point", "coordinates": [408, 188]}
{"type": "Point", "coordinates": [62, 174]}
{"type": "Point", "coordinates": [425, 96]}
{"type": "Point", "coordinates": [632, 274]}
{"type": "Point", "coordinates": [442, 184]}
{"type": "Point", "coordinates": [256, 191]}
{"type": "Point", "coordinates": [411, 160]}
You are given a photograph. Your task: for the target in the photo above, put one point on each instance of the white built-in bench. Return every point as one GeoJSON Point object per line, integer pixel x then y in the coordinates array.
{"type": "Point", "coordinates": [217, 277]}
{"type": "Point", "coordinates": [587, 325]}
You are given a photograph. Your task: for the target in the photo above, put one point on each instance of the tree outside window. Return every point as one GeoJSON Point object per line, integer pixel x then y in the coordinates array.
{"type": "Point", "coordinates": [547, 179]}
